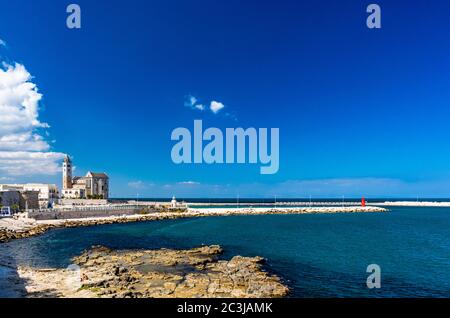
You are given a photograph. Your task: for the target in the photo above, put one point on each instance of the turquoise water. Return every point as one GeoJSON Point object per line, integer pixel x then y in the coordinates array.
{"type": "Point", "coordinates": [320, 255]}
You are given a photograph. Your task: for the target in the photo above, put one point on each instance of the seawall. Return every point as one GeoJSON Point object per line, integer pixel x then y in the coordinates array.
{"type": "Point", "coordinates": [79, 214]}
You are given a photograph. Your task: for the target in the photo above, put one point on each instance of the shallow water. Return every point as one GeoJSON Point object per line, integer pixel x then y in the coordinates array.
{"type": "Point", "coordinates": [320, 255]}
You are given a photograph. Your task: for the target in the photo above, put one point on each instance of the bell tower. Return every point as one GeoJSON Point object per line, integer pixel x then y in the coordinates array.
{"type": "Point", "coordinates": [67, 173]}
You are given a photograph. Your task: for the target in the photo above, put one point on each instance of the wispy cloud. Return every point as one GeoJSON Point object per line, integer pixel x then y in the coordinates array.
{"type": "Point", "coordinates": [138, 185]}
{"type": "Point", "coordinates": [200, 107]}
{"type": "Point", "coordinates": [2, 43]}
{"type": "Point", "coordinates": [23, 149]}
{"type": "Point", "coordinates": [188, 183]}
{"type": "Point", "coordinates": [192, 102]}
{"type": "Point", "coordinates": [318, 188]}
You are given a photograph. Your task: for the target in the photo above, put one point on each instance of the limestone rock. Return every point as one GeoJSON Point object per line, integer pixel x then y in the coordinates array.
{"type": "Point", "coordinates": [166, 273]}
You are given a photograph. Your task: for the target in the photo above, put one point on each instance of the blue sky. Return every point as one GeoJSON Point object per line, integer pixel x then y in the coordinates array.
{"type": "Point", "coordinates": [360, 111]}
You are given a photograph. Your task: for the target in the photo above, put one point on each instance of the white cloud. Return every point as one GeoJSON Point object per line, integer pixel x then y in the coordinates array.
{"type": "Point", "coordinates": [2, 43]}
{"type": "Point", "coordinates": [353, 188]}
{"type": "Point", "coordinates": [188, 183]}
{"type": "Point", "coordinates": [19, 163]}
{"type": "Point", "coordinates": [23, 150]}
{"type": "Point", "coordinates": [139, 185]}
{"type": "Point", "coordinates": [200, 107]}
{"type": "Point", "coordinates": [25, 141]}
{"type": "Point", "coordinates": [192, 102]}
{"type": "Point", "coordinates": [216, 106]}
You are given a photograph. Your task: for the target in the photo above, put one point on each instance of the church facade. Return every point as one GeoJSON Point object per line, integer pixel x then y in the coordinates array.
{"type": "Point", "coordinates": [92, 186]}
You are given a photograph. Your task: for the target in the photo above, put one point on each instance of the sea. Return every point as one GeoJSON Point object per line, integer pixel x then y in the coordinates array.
{"type": "Point", "coordinates": [316, 255]}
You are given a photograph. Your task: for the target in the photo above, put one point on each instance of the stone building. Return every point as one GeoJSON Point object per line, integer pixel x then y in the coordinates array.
{"type": "Point", "coordinates": [92, 186]}
{"type": "Point", "coordinates": [48, 194]}
{"type": "Point", "coordinates": [9, 198]}
{"type": "Point", "coordinates": [19, 200]}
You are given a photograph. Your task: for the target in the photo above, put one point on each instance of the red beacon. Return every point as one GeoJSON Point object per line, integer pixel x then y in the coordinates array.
{"type": "Point", "coordinates": [363, 202]}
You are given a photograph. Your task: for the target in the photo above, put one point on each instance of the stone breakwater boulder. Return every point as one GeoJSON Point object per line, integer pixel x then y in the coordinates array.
{"type": "Point", "coordinates": [17, 230]}
{"type": "Point", "coordinates": [170, 273]}
{"type": "Point", "coordinates": [7, 235]}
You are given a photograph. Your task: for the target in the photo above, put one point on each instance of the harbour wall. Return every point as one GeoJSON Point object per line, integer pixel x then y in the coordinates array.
{"type": "Point", "coordinates": [82, 202]}
{"type": "Point", "coordinates": [80, 213]}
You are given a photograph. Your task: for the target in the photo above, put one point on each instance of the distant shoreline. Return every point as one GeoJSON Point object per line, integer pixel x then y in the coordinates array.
{"type": "Point", "coordinates": [416, 203]}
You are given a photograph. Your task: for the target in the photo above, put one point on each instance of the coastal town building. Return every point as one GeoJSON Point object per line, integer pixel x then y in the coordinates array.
{"type": "Point", "coordinates": [48, 194]}
{"type": "Point", "coordinates": [29, 200]}
{"type": "Point", "coordinates": [17, 200]}
{"type": "Point", "coordinates": [92, 186]}
{"type": "Point", "coordinates": [9, 198]}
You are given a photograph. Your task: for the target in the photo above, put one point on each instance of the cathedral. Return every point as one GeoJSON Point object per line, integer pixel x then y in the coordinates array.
{"type": "Point", "coordinates": [92, 186]}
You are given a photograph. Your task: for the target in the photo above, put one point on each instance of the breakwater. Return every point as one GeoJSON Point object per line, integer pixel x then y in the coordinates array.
{"type": "Point", "coordinates": [15, 229]}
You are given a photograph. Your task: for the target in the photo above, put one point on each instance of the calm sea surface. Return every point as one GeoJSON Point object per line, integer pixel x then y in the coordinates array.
{"type": "Point", "coordinates": [321, 255]}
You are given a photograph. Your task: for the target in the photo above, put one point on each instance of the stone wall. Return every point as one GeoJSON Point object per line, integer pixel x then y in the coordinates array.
{"type": "Point", "coordinates": [29, 199]}
{"type": "Point", "coordinates": [79, 214]}
{"type": "Point", "coordinates": [9, 198]}
{"type": "Point", "coordinates": [81, 202]}
{"type": "Point", "coordinates": [23, 199]}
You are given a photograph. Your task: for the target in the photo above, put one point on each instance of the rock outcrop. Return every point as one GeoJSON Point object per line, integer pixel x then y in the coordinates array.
{"type": "Point", "coordinates": [8, 235]}
{"type": "Point", "coordinates": [166, 273]}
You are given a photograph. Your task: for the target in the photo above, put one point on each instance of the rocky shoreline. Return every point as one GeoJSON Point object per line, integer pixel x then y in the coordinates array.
{"type": "Point", "coordinates": [101, 272]}
{"type": "Point", "coordinates": [11, 229]}
{"type": "Point", "coordinates": [165, 273]}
